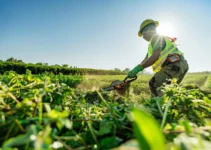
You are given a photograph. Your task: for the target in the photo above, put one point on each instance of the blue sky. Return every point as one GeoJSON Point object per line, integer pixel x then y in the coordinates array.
{"type": "Point", "coordinates": [101, 34]}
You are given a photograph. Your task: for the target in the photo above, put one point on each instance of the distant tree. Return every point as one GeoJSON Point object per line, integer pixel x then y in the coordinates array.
{"type": "Point", "coordinates": [126, 70]}
{"type": "Point", "coordinates": [11, 60]}
{"type": "Point", "coordinates": [20, 61]}
{"type": "Point", "coordinates": [65, 65]}
{"type": "Point", "coordinates": [39, 63]}
{"type": "Point", "coordinates": [117, 69]}
{"type": "Point", "coordinates": [56, 65]}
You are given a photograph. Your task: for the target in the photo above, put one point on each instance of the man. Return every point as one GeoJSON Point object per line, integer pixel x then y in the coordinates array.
{"type": "Point", "coordinates": [166, 59]}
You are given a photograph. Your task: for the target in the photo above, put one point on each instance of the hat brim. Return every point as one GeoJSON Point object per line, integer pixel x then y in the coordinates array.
{"type": "Point", "coordinates": [156, 24]}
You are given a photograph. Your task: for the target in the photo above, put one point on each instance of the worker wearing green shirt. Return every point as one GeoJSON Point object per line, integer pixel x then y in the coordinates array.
{"type": "Point", "coordinates": [166, 59]}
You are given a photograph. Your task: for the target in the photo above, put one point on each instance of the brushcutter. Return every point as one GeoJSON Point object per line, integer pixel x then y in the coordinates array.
{"type": "Point", "coordinates": [120, 86]}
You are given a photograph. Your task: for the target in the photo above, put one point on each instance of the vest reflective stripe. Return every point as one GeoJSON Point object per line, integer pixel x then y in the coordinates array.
{"type": "Point", "coordinates": [169, 49]}
{"type": "Point", "coordinates": [157, 65]}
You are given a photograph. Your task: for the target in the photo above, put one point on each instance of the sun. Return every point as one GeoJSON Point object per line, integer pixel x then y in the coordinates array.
{"type": "Point", "coordinates": [167, 29]}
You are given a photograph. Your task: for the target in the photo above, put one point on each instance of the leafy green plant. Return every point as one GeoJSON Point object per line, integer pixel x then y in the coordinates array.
{"type": "Point", "coordinates": [147, 131]}
{"type": "Point", "coordinates": [51, 114]}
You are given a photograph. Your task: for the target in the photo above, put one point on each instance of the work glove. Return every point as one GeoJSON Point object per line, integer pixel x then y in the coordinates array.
{"type": "Point", "coordinates": [132, 73]}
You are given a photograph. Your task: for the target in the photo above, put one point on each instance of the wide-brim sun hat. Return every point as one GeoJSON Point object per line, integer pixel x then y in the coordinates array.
{"type": "Point", "coordinates": [145, 23]}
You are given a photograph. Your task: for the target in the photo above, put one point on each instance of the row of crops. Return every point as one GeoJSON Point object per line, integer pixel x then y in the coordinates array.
{"type": "Point", "coordinates": [44, 112]}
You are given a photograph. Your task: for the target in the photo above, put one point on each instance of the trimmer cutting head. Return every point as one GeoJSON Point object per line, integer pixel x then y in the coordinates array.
{"type": "Point", "coordinates": [120, 86]}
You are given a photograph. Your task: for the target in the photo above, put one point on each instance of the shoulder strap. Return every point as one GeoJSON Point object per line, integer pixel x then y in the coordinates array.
{"type": "Point", "coordinates": [172, 39]}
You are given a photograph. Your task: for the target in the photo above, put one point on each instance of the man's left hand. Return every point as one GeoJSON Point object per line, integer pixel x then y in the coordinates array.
{"type": "Point", "coordinates": [132, 73]}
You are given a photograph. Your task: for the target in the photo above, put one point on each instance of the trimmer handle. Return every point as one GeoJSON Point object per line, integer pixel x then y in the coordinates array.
{"type": "Point", "coordinates": [125, 80]}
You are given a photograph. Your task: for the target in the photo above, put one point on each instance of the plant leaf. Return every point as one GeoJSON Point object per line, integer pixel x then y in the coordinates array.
{"type": "Point", "coordinates": [147, 131]}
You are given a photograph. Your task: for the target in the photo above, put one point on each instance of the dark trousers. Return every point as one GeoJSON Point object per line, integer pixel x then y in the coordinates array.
{"type": "Point", "coordinates": [169, 71]}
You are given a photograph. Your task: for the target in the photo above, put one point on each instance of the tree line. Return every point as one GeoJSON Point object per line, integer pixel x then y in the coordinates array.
{"type": "Point", "coordinates": [20, 67]}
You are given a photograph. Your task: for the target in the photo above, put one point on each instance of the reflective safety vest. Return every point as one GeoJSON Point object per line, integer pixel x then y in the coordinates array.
{"type": "Point", "coordinates": [170, 48]}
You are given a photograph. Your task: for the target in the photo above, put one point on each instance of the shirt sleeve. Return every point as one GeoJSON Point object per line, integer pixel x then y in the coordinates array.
{"type": "Point", "coordinates": [158, 42]}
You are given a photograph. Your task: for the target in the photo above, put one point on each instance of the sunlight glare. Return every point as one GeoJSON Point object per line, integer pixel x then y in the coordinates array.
{"type": "Point", "coordinates": [166, 29]}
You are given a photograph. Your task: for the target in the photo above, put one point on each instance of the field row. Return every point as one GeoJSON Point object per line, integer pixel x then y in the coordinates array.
{"type": "Point", "coordinates": [141, 85]}
{"type": "Point", "coordinates": [40, 112]}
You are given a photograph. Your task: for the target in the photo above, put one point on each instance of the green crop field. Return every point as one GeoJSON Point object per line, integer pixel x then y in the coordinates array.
{"type": "Point", "coordinates": [47, 112]}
